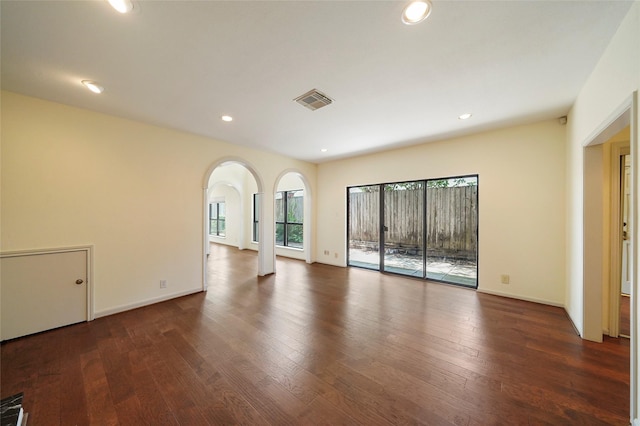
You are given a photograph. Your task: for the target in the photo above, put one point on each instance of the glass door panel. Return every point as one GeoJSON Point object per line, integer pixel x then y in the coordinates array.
{"type": "Point", "coordinates": [364, 226]}
{"type": "Point", "coordinates": [403, 228]}
{"type": "Point", "coordinates": [452, 230]}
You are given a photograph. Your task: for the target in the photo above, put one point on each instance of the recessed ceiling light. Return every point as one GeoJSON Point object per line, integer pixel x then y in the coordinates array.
{"type": "Point", "coordinates": [122, 6]}
{"type": "Point", "coordinates": [323, 150]}
{"type": "Point", "coordinates": [464, 116]}
{"type": "Point", "coordinates": [227, 118]}
{"type": "Point", "coordinates": [93, 86]}
{"type": "Point", "coordinates": [416, 11]}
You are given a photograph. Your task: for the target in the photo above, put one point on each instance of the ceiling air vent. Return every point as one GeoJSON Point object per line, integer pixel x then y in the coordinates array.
{"type": "Point", "coordinates": [313, 100]}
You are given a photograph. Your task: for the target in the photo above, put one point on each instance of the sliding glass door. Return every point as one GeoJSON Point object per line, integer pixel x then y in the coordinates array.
{"type": "Point", "coordinates": [426, 228]}
{"type": "Point", "coordinates": [403, 228]}
{"type": "Point", "coordinates": [452, 230]}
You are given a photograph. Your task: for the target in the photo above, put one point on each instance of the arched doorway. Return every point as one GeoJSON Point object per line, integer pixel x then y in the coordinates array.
{"type": "Point", "coordinates": [240, 177]}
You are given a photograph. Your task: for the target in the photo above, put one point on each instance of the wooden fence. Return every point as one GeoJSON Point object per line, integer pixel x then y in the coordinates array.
{"type": "Point", "coordinates": [452, 220]}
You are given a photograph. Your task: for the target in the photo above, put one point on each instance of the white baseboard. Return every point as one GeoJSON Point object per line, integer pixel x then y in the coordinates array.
{"type": "Point", "coordinates": [338, 264]}
{"type": "Point", "coordinates": [515, 296]}
{"type": "Point", "coordinates": [130, 306]}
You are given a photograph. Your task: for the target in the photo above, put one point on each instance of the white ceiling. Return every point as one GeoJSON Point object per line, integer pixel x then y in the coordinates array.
{"type": "Point", "coordinates": [183, 64]}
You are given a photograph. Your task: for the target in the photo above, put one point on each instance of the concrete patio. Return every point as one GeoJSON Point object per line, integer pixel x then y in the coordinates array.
{"type": "Point", "coordinates": [456, 271]}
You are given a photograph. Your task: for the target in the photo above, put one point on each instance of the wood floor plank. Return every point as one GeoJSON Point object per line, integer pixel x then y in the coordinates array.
{"type": "Point", "coordinates": [250, 391]}
{"type": "Point", "coordinates": [316, 344]}
{"type": "Point", "coordinates": [99, 403]}
{"type": "Point", "coordinates": [394, 408]}
{"type": "Point", "coordinates": [322, 412]}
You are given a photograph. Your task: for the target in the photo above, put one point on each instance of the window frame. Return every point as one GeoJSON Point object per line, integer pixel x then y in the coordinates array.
{"type": "Point", "coordinates": [219, 231]}
{"type": "Point", "coordinates": [255, 230]}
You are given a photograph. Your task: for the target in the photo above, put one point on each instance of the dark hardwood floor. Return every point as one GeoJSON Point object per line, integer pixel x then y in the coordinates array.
{"type": "Point", "coordinates": [315, 344]}
{"type": "Point", "coordinates": [625, 315]}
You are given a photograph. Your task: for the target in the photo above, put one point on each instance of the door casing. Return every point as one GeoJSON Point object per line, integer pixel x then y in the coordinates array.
{"type": "Point", "coordinates": [17, 304]}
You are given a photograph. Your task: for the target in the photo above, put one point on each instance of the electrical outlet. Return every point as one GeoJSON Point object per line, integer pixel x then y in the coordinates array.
{"type": "Point", "coordinates": [504, 279]}
{"type": "Point", "coordinates": [335, 255]}
{"type": "Point", "coordinates": [326, 252]}
{"type": "Point", "coordinates": [163, 283]}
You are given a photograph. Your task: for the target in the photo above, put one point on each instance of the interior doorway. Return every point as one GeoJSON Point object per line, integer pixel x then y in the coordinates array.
{"type": "Point", "coordinates": [231, 183]}
{"type": "Point", "coordinates": [601, 290]}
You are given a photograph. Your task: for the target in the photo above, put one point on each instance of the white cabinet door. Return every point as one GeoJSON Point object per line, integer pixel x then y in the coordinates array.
{"type": "Point", "coordinates": [42, 291]}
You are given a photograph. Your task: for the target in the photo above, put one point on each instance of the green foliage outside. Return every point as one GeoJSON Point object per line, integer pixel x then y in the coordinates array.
{"type": "Point", "coordinates": [434, 183]}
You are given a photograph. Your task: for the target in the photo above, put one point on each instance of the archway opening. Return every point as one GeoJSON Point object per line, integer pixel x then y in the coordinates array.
{"type": "Point", "coordinates": [232, 198]}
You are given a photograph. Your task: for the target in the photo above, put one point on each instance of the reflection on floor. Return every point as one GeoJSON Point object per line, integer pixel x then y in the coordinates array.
{"type": "Point", "coordinates": [625, 315]}
{"type": "Point", "coordinates": [450, 270]}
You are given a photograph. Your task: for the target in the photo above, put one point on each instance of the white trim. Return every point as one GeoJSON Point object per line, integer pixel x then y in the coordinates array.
{"type": "Point", "coordinates": [30, 252]}
{"type": "Point", "coordinates": [525, 298]}
{"type": "Point", "coordinates": [89, 267]}
{"type": "Point", "coordinates": [617, 120]}
{"type": "Point", "coordinates": [205, 238]}
{"type": "Point", "coordinates": [153, 300]}
{"type": "Point", "coordinates": [290, 248]}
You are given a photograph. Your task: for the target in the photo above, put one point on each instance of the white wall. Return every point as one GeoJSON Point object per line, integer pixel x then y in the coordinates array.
{"type": "Point", "coordinates": [223, 192]}
{"type": "Point", "coordinates": [608, 88]}
{"type": "Point", "coordinates": [73, 177]}
{"type": "Point", "coordinates": [290, 182]}
{"type": "Point", "coordinates": [521, 201]}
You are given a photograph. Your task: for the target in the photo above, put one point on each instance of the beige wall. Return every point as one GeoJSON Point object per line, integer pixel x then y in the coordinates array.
{"type": "Point", "coordinates": [74, 177]}
{"type": "Point", "coordinates": [595, 183]}
{"type": "Point", "coordinates": [521, 201]}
